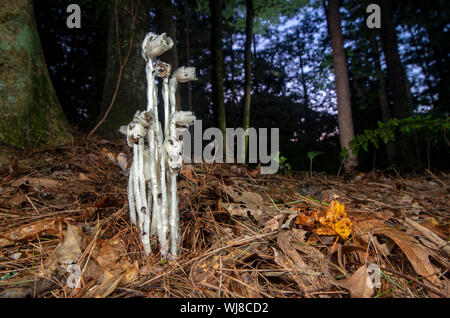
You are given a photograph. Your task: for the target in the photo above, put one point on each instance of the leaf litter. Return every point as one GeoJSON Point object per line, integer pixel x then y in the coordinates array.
{"type": "Point", "coordinates": [244, 234]}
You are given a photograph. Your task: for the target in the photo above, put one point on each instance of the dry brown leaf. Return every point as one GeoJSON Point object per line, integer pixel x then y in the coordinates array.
{"type": "Point", "coordinates": [108, 284]}
{"type": "Point", "coordinates": [109, 252]}
{"type": "Point", "coordinates": [251, 279]}
{"type": "Point", "coordinates": [69, 252]}
{"type": "Point", "coordinates": [287, 248]}
{"type": "Point", "coordinates": [253, 203]}
{"type": "Point", "coordinates": [274, 223]}
{"type": "Point", "coordinates": [357, 284]}
{"type": "Point", "coordinates": [37, 182]}
{"type": "Point", "coordinates": [240, 210]}
{"type": "Point", "coordinates": [431, 236]}
{"type": "Point", "coordinates": [416, 253]}
{"type": "Point", "coordinates": [30, 231]}
{"type": "Point", "coordinates": [203, 270]}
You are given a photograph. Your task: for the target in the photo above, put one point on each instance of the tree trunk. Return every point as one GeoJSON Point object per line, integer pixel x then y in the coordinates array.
{"type": "Point", "coordinates": [31, 115]}
{"type": "Point", "coordinates": [398, 81]}
{"type": "Point", "coordinates": [384, 107]}
{"type": "Point", "coordinates": [217, 71]}
{"type": "Point", "coordinates": [346, 130]}
{"type": "Point", "coordinates": [131, 93]}
{"type": "Point", "coordinates": [248, 70]}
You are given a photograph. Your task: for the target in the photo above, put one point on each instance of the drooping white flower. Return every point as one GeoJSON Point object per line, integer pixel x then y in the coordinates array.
{"type": "Point", "coordinates": [145, 118]}
{"type": "Point", "coordinates": [182, 118]}
{"type": "Point", "coordinates": [163, 69]}
{"type": "Point", "coordinates": [135, 133]}
{"type": "Point", "coordinates": [155, 45]}
{"type": "Point", "coordinates": [185, 74]}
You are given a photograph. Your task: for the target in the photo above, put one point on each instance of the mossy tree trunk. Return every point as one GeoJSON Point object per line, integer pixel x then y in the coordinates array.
{"type": "Point", "coordinates": [131, 94]}
{"type": "Point", "coordinates": [31, 115]}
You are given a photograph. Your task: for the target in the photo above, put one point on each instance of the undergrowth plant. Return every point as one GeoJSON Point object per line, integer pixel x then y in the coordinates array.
{"type": "Point", "coordinates": [430, 127]}
{"type": "Point", "coordinates": [311, 155]}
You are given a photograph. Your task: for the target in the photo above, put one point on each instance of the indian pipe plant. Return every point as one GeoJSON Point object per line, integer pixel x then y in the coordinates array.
{"type": "Point", "coordinates": [157, 152]}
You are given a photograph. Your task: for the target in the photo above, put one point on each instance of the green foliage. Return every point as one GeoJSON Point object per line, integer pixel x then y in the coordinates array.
{"type": "Point", "coordinates": [283, 165]}
{"type": "Point", "coordinates": [432, 127]}
{"type": "Point", "coordinates": [311, 155]}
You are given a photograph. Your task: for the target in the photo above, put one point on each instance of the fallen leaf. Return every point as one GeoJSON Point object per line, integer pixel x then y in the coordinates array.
{"type": "Point", "coordinates": [358, 284]}
{"type": "Point", "coordinates": [274, 223]}
{"type": "Point", "coordinates": [69, 252]}
{"type": "Point", "coordinates": [240, 210]}
{"type": "Point", "coordinates": [252, 284]}
{"type": "Point", "coordinates": [30, 231]}
{"type": "Point", "coordinates": [122, 161]}
{"type": "Point", "coordinates": [416, 253]}
{"type": "Point", "coordinates": [37, 183]}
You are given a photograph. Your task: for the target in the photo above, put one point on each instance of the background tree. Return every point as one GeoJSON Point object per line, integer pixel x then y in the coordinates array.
{"type": "Point", "coordinates": [31, 114]}
{"type": "Point", "coordinates": [216, 7]}
{"type": "Point", "coordinates": [346, 130]}
{"type": "Point", "coordinates": [248, 69]}
{"type": "Point", "coordinates": [125, 84]}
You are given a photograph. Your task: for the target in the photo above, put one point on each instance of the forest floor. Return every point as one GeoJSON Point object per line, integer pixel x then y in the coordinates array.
{"type": "Point", "coordinates": [243, 234]}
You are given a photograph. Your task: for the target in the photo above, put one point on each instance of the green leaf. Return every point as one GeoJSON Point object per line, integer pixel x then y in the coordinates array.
{"type": "Point", "coordinates": [312, 154]}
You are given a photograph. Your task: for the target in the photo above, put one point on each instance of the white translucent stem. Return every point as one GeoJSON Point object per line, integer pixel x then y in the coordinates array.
{"type": "Point", "coordinates": [173, 90]}
{"type": "Point", "coordinates": [137, 193]}
{"type": "Point", "coordinates": [131, 202]}
{"type": "Point", "coordinates": [150, 84]}
{"type": "Point", "coordinates": [156, 211]}
{"type": "Point", "coordinates": [164, 208]}
{"type": "Point", "coordinates": [166, 93]}
{"type": "Point", "coordinates": [145, 222]}
{"type": "Point", "coordinates": [174, 217]}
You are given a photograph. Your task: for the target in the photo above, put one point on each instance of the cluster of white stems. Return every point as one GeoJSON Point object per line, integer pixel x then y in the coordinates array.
{"type": "Point", "coordinates": [157, 153]}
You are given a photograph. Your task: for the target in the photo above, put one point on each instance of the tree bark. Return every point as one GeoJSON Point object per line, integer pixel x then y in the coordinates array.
{"type": "Point", "coordinates": [31, 115]}
{"type": "Point", "coordinates": [131, 93]}
{"type": "Point", "coordinates": [217, 71]}
{"type": "Point", "coordinates": [346, 130]}
{"type": "Point", "coordinates": [248, 70]}
{"type": "Point", "coordinates": [398, 81]}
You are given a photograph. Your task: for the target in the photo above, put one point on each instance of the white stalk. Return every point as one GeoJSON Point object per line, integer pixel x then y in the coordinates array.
{"type": "Point", "coordinates": [145, 222]}
{"type": "Point", "coordinates": [164, 204]}
{"type": "Point", "coordinates": [152, 184]}
{"type": "Point", "coordinates": [137, 193]}
{"type": "Point", "coordinates": [173, 100]}
{"type": "Point", "coordinates": [130, 192]}
{"type": "Point", "coordinates": [174, 216]}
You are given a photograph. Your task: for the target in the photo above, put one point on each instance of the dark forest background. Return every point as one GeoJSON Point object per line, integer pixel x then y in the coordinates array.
{"type": "Point", "coordinates": [292, 77]}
